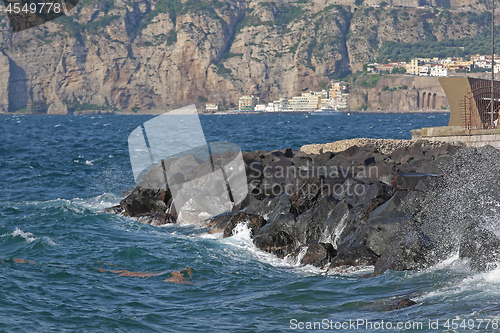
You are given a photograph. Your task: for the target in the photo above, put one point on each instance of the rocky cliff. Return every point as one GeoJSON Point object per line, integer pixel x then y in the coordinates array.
{"type": "Point", "coordinates": [151, 55]}
{"type": "Point", "coordinates": [400, 93]}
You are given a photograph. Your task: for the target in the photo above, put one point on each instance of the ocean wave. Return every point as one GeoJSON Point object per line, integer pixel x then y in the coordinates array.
{"type": "Point", "coordinates": [79, 206]}
{"type": "Point", "coordinates": [99, 202]}
{"type": "Point", "coordinates": [28, 236]}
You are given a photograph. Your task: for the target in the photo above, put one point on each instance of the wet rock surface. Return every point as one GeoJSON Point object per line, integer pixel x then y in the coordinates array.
{"type": "Point", "coordinates": [399, 206]}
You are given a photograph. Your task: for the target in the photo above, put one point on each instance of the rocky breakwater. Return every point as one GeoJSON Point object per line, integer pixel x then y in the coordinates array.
{"type": "Point", "coordinates": [393, 204]}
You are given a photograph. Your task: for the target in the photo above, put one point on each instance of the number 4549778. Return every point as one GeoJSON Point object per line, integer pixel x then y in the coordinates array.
{"type": "Point", "coordinates": [472, 324]}
{"type": "Point", "coordinates": [34, 8]}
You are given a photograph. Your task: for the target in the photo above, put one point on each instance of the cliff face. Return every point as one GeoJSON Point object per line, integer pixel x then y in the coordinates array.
{"type": "Point", "coordinates": [372, 27]}
{"type": "Point", "coordinates": [158, 54]}
{"type": "Point", "coordinates": [400, 93]}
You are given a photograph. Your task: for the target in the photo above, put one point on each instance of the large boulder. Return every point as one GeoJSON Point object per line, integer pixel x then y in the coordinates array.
{"type": "Point", "coordinates": [481, 246]}
{"type": "Point", "coordinates": [316, 254]}
{"type": "Point", "coordinates": [226, 223]}
{"type": "Point", "coordinates": [156, 219]}
{"type": "Point", "coordinates": [254, 223]}
{"type": "Point", "coordinates": [408, 249]}
{"type": "Point", "coordinates": [310, 226]}
{"type": "Point", "coordinates": [143, 201]}
{"type": "Point", "coordinates": [277, 237]}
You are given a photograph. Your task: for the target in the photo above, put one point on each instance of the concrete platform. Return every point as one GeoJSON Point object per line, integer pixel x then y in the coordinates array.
{"type": "Point", "coordinates": [457, 134]}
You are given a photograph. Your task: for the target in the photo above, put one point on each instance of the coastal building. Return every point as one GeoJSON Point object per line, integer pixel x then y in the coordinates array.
{"type": "Point", "coordinates": [438, 70]}
{"type": "Point", "coordinates": [307, 102]}
{"type": "Point", "coordinates": [338, 96]}
{"type": "Point", "coordinates": [342, 102]}
{"type": "Point", "coordinates": [260, 108]}
{"type": "Point", "coordinates": [247, 103]}
{"type": "Point", "coordinates": [211, 108]}
{"type": "Point", "coordinates": [456, 64]}
{"type": "Point", "coordinates": [413, 68]}
{"type": "Point", "coordinates": [281, 105]}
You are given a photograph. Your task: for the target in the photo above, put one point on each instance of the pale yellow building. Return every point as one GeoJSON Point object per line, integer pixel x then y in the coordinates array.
{"type": "Point", "coordinates": [413, 68]}
{"type": "Point", "coordinates": [247, 103]}
{"type": "Point", "coordinates": [306, 102]}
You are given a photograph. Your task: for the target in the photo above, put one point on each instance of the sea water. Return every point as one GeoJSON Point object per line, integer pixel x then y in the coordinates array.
{"type": "Point", "coordinates": [67, 266]}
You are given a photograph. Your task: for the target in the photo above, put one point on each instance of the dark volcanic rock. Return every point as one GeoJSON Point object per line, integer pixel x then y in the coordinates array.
{"type": "Point", "coordinates": [114, 210]}
{"type": "Point", "coordinates": [319, 254]}
{"type": "Point", "coordinates": [380, 229]}
{"type": "Point", "coordinates": [254, 222]}
{"type": "Point", "coordinates": [283, 206]}
{"type": "Point", "coordinates": [307, 192]}
{"type": "Point", "coordinates": [142, 201]}
{"type": "Point", "coordinates": [390, 205]}
{"type": "Point", "coordinates": [358, 206]}
{"type": "Point", "coordinates": [156, 219]}
{"type": "Point", "coordinates": [337, 220]}
{"type": "Point", "coordinates": [310, 226]}
{"type": "Point", "coordinates": [262, 207]}
{"type": "Point", "coordinates": [354, 256]}
{"type": "Point", "coordinates": [412, 181]}
{"type": "Point", "coordinates": [481, 246]}
{"type": "Point", "coordinates": [408, 249]}
{"type": "Point", "coordinates": [404, 303]}
{"type": "Point", "coordinates": [368, 244]}
{"type": "Point", "coordinates": [276, 237]}
{"type": "Point", "coordinates": [219, 223]}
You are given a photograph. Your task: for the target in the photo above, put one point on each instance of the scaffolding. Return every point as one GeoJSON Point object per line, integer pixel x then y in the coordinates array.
{"type": "Point", "coordinates": [477, 105]}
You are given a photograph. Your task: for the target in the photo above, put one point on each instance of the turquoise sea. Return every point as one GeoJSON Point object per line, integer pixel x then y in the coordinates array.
{"type": "Point", "coordinates": [67, 267]}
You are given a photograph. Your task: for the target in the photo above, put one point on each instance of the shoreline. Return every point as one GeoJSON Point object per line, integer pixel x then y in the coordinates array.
{"type": "Point", "coordinates": [366, 202]}
{"type": "Point", "coordinates": [226, 114]}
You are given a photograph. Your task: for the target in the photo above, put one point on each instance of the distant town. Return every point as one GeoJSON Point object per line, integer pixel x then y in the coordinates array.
{"type": "Point", "coordinates": [334, 98]}
{"type": "Point", "coordinates": [436, 66]}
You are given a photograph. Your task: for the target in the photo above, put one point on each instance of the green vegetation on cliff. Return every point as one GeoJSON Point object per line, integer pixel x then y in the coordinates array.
{"type": "Point", "coordinates": [463, 47]}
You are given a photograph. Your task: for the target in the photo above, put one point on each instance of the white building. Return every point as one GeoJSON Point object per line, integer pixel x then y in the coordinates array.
{"type": "Point", "coordinates": [438, 71]}
{"type": "Point", "coordinates": [211, 107]}
{"type": "Point", "coordinates": [260, 108]}
{"type": "Point", "coordinates": [424, 71]}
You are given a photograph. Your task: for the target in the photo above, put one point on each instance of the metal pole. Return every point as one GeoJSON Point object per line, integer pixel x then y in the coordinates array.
{"type": "Point", "coordinates": [492, 58]}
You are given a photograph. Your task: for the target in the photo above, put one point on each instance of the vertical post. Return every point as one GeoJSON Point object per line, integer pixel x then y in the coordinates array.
{"type": "Point", "coordinates": [492, 60]}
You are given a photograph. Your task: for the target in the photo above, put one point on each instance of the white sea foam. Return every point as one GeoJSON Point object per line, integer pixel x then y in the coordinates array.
{"type": "Point", "coordinates": [28, 236]}
{"type": "Point", "coordinates": [295, 260]}
{"type": "Point", "coordinates": [241, 240]}
{"type": "Point", "coordinates": [99, 202]}
{"type": "Point", "coordinates": [486, 283]}
{"type": "Point", "coordinates": [360, 270]}
{"type": "Point", "coordinates": [206, 235]}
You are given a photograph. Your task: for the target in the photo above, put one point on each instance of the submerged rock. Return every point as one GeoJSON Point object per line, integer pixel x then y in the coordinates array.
{"type": "Point", "coordinates": [404, 303]}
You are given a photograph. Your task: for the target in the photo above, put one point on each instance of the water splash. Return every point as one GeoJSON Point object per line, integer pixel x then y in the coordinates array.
{"type": "Point", "coordinates": [28, 236]}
